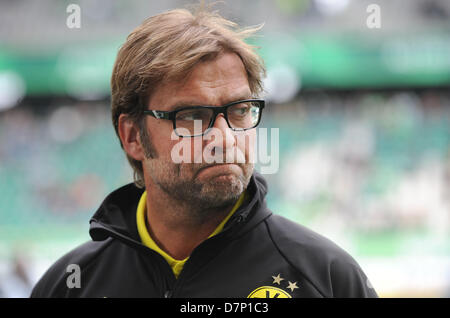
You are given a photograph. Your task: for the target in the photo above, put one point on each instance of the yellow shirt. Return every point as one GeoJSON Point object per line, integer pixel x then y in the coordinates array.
{"type": "Point", "coordinates": [176, 265]}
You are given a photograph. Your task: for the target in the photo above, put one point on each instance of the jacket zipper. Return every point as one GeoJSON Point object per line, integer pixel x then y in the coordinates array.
{"type": "Point", "coordinates": [169, 293]}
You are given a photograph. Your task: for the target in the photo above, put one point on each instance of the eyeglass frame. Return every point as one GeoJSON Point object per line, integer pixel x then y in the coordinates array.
{"type": "Point", "coordinates": [171, 115]}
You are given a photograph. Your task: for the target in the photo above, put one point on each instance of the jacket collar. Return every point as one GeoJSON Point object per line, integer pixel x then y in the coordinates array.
{"type": "Point", "coordinates": [116, 216]}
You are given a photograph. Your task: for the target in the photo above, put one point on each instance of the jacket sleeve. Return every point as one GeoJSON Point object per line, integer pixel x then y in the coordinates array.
{"type": "Point", "coordinates": [54, 283]}
{"type": "Point", "coordinates": [329, 268]}
{"type": "Point", "coordinates": [51, 284]}
{"type": "Point", "coordinates": [348, 280]}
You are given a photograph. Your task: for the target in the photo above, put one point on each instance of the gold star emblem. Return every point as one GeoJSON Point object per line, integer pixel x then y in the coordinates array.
{"type": "Point", "coordinates": [292, 286]}
{"type": "Point", "coordinates": [277, 279]}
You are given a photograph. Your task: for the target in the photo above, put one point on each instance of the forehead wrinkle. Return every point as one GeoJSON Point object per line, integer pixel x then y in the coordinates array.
{"type": "Point", "coordinates": [213, 83]}
{"type": "Point", "coordinates": [215, 96]}
{"type": "Point", "coordinates": [220, 80]}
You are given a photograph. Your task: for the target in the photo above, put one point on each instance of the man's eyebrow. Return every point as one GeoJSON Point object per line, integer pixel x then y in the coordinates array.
{"type": "Point", "coordinates": [182, 104]}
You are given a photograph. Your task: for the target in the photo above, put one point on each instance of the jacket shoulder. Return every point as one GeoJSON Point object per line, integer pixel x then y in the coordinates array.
{"type": "Point", "coordinates": [324, 264]}
{"type": "Point", "coordinates": [54, 281]}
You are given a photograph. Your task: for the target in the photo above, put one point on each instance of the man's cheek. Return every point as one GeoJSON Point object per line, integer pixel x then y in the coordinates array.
{"type": "Point", "coordinates": [185, 150]}
{"type": "Point", "coordinates": [246, 145]}
{"type": "Point", "coordinates": [195, 145]}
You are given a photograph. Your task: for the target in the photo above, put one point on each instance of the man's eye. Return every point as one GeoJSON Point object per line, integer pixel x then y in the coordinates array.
{"type": "Point", "coordinates": [191, 115]}
{"type": "Point", "coordinates": [188, 116]}
{"type": "Point", "coordinates": [241, 110]}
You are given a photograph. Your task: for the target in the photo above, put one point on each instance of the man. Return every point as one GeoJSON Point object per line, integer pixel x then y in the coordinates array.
{"type": "Point", "coordinates": [195, 221]}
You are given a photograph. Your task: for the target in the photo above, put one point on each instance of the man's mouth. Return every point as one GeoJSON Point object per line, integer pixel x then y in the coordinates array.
{"type": "Point", "coordinates": [216, 170]}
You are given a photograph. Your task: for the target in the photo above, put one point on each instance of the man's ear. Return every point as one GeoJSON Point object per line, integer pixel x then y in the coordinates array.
{"type": "Point", "coordinates": [130, 138]}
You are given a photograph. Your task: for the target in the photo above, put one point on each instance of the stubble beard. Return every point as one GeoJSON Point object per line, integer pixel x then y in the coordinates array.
{"type": "Point", "coordinates": [203, 198]}
{"type": "Point", "coordinates": [180, 183]}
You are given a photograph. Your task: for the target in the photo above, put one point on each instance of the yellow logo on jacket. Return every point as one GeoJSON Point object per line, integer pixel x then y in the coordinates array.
{"type": "Point", "coordinates": [274, 292]}
{"type": "Point", "coordinates": [268, 292]}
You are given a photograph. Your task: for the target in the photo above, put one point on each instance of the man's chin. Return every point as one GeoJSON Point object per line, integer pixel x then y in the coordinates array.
{"type": "Point", "coordinates": [222, 190]}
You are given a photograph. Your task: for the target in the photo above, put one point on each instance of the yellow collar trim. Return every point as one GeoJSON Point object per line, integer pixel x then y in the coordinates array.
{"type": "Point", "coordinates": [176, 265]}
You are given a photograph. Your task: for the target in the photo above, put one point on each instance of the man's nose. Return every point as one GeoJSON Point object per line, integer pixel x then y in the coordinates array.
{"type": "Point", "coordinates": [228, 138]}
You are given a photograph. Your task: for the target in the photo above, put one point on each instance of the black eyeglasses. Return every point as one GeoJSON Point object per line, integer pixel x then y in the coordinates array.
{"type": "Point", "coordinates": [193, 121]}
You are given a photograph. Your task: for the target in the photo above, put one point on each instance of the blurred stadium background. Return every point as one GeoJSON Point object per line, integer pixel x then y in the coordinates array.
{"type": "Point", "coordinates": [363, 116]}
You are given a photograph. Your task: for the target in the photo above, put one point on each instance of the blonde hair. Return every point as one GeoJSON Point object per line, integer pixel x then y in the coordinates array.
{"type": "Point", "coordinates": [167, 47]}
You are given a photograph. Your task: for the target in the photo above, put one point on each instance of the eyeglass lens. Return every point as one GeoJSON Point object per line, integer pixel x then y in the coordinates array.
{"type": "Point", "coordinates": [191, 122]}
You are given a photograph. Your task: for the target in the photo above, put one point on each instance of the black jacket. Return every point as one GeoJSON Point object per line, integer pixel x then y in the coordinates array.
{"type": "Point", "coordinates": [257, 254]}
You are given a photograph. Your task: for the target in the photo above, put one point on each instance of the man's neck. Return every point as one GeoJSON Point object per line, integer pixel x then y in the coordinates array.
{"type": "Point", "coordinates": [171, 226]}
